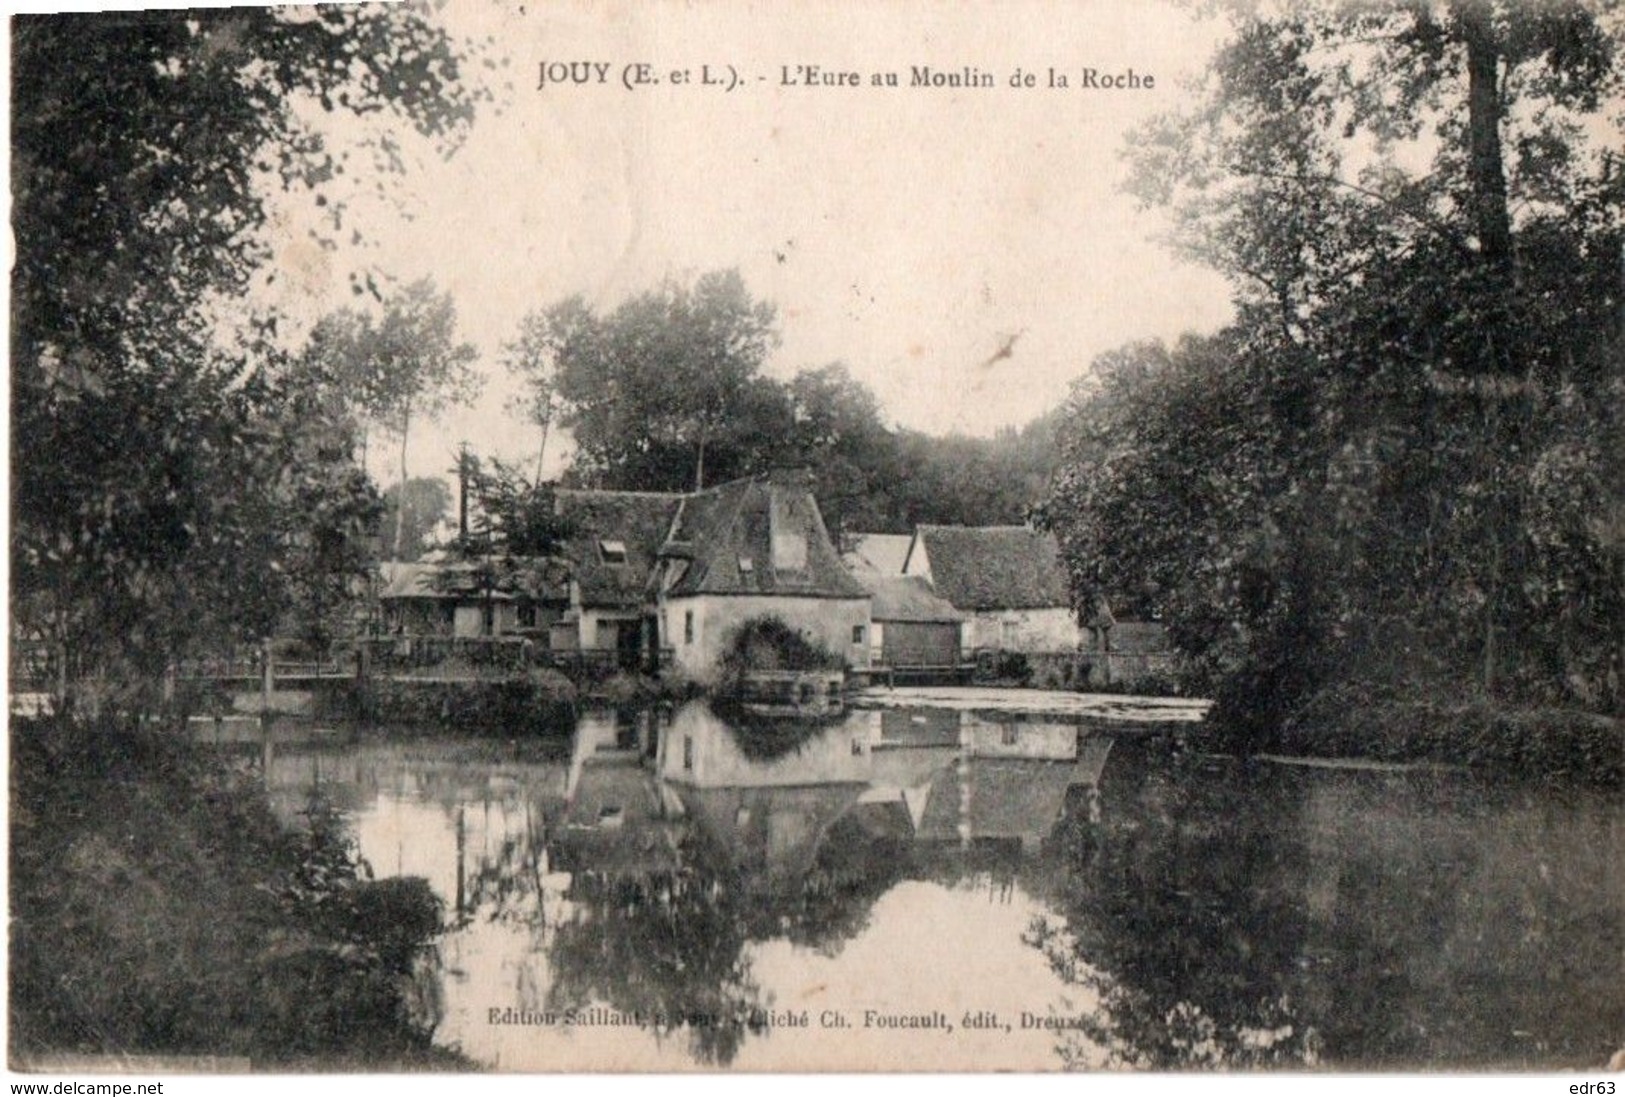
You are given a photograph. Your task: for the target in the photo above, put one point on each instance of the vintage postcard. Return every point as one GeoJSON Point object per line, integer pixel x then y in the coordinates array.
{"type": "Point", "coordinates": [872, 537]}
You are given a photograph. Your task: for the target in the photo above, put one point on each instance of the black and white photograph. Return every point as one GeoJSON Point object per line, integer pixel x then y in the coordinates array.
{"type": "Point", "coordinates": [581, 536]}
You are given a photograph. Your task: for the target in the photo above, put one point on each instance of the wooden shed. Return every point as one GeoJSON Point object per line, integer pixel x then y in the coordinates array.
{"type": "Point", "coordinates": [913, 628]}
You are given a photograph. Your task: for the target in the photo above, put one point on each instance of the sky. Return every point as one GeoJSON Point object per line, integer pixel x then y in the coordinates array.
{"type": "Point", "coordinates": [912, 233]}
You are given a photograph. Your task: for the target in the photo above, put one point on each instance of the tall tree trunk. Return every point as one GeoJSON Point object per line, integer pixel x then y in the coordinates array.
{"type": "Point", "coordinates": [462, 495]}
{"type": "Point", "coordinates": [1506, 434]}
{"type": "Point", "coordinates": [400, 501]}
{"type": "Point", "coordinates": [541, 452]}
{"type": "Point", "coordinates": [1492, 220]}
{"type": "Point", "coordinates": [699, 462]}
{"type": "Point", "coordinates": [59, 650]}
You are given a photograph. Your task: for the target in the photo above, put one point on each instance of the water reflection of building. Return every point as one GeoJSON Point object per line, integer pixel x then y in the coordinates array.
{"type": "Point", "coordinates": [931, 777]}
{"type": "Point", "coordinates": [618, 819]}
{"type": "Point", "coordinates": [763, 814]}
{"type": "Point", "coordinates": [999, 787]}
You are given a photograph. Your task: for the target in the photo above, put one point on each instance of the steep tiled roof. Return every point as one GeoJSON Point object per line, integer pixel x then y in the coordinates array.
{"type": "Point", "coordinates": [995, 567]}
{"type": "Point", "coordinates": [460, 580]}
{"type": "Point", "coordinates": [880, 553]}
{"type": "Point", "coordinates": [636, 521]}
{"type": "Point", "coordinates": [728, 536]}
{"type": "Point", "coordinates": [613, 824]}
{"type": "Point", "coordinates": [908, 598]}
{"type": "Point", "coordinates": [776, 829]}
{"type": "Point", "coordinates": [403, 579]}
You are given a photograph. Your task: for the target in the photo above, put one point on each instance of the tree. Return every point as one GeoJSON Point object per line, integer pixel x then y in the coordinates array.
{"type": "Point", "coordinates": [407, 362]}
{"type": "Point", "coordinates": [1302, 168]}
{"type": "Point", "coordinates": [507, 514]}
{"type": "Point", "coordinates": [314, 555]}
{"type": "Point", "coordinates": [1179, 473]}
{"type": "Point", "coordinates": [670, 372]}
{"type": "Point", "coordinates": [426, 500]}
{"type": "Point", "coordinates": [511, 534]}
{"type": "Point", "coordinates": [1362, 465]}
{"type": "Point", "coordinates": [532, 358]}
{"type": "Point", "coordinates": [963, 480]}
{"type": "Point", "coordinates": [836, 431]}
{"type": "Point", "coordinates": [157, 471]}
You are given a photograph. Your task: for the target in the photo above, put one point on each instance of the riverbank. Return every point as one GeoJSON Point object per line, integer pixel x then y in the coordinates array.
{"type": "Point", "coordinates": [159, 909]}
{"type": "Point", "coordinates": [1564, 746]}
{"type": "Point", "coordinates": [1016, 703]}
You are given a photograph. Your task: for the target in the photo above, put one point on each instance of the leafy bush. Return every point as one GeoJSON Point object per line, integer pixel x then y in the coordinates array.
{"type": "Point", "coordinates": [540, 705]}
{"type": "Point", "coordinates": [1005, 668]}
{"type": "Point", "coordinates": [159, 907]}
{"type": "Point", "coordinates": [769, 643]}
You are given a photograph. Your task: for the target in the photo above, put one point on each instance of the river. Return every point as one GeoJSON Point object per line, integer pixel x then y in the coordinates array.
{"type": "Point", "coordinates": [936, 887]}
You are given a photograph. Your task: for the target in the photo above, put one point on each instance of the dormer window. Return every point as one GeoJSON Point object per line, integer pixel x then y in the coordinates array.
{"type": "Point", "coordinates": [613, 552]}
{"type": "Point", "coordinates": [789, 550]}
{"type": "Point", "coordinates": [746, 565]}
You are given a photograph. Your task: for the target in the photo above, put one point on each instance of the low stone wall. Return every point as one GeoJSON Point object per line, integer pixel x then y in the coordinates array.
{"type": "Point", "coordinates": [513, 704]}
{"type": "Point", "coordinates": [1132, 672]}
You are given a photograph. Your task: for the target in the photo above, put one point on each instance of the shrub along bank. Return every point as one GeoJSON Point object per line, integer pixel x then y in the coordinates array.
{"type": "Point", "coordinates": [1554, 744]}
{"type": "Point", "coordinates": [158, 908]}
{"type": "Point", "coordinates": [538, 703]}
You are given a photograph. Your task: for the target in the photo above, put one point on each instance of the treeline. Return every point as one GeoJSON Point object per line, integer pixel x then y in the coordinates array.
{"type": "Point", "coordinates": [1397, 474]}
{"type": "Point", "coordinates": [176, 489]}
{"type": "Point", "coordinates": [665, 392]}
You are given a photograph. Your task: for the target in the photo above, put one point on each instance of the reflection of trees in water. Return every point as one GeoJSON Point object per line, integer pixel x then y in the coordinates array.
{"type": "Point", "coordinates": [1231, 915]}
{"type": "Point", "coordinates": [769, 738]}
{"type": "Point", "coordinates": [668, 945]}
{"type": "Point", "coordinates": [830, 904]}
{"type": "Point", "coordinates": [1171, 914]}
{"type": "Point", "coordinates": [671, 944]}
{"type": "Point", "coordinates": [506, 884]}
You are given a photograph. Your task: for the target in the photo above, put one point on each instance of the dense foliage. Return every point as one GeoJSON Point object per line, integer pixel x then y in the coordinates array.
{"type": "Point", "coordinates": [1399, 466]}
{"type": "Point", "coordinates": [175, 486]}
{"type": "Point", "coordinates": [505, 513]}
{"type": "Point", "coordinates": [426, 503]}
{"type": "Point", "coordinates": [406, 363]}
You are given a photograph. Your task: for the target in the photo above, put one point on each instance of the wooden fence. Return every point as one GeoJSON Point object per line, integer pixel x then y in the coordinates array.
{"type": "Point", "coordinates": [503, 654]}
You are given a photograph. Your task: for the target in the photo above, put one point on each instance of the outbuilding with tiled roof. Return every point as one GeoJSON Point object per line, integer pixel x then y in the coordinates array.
{"type": "Point", "coordinates": [1007, 580]}
{"type": "Point", "coordinates": [613, 547]}
{"type": "Point", "coordinates": [914, 627]}
{"type": "Point", "coordinates": [488, 596]}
